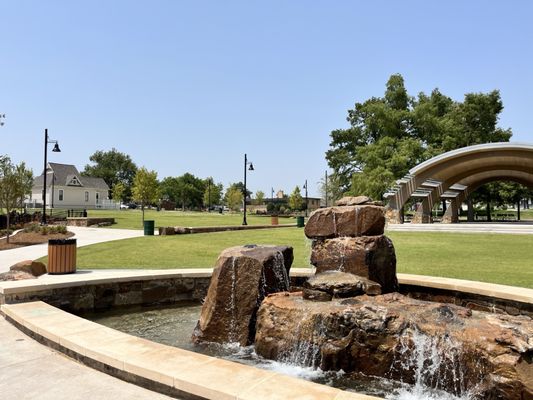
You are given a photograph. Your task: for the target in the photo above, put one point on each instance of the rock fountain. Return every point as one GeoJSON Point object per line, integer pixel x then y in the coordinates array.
{"type": "Point", "coordinates": [350, 316]}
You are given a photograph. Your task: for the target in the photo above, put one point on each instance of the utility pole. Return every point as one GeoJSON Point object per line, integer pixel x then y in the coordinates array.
{"type": "Point", "coordinates": [326, 188]}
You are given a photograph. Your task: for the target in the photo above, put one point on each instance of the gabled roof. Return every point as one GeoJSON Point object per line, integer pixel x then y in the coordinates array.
{"type": "Point", "coordinates": [63, 174]}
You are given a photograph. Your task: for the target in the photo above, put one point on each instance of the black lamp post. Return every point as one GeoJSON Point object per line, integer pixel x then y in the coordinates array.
{"type": "Point", "coordinates": [306, 204]}
{"type": "Point", "coordinates": [251, 168]}
{"type": "Point", "coordinates": [208, 195]}
{"type": "Point", "coordinates": [55, 150]}
{"type": "Point", "coordinates": [326, 189]}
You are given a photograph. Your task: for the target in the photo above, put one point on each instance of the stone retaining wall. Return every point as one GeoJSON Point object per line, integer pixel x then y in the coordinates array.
{"type": "Point", "coordinates": [84, 221]}
{"type": "Point", "coordinates": [90, 296]}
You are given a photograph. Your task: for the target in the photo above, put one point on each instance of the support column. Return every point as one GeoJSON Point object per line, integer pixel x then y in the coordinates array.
{"type": "Point", "coordinates": [451, 216]}
{"type": "Point", "coordinates": [423, 213]}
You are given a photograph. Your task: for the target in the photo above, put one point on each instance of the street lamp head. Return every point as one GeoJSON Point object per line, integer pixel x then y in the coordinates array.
{"type": "Point", "coordinates": [251, 167]}
{"type": "Point", "coordinates": [56, 148]}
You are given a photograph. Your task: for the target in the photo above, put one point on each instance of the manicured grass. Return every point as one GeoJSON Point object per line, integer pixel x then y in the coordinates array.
{"type": "Point", "coordinates": [503, 259]}
{"type": "Point", "coordinates": [187, 251]}
{"type": "Point", "coordinates": [132, 219]}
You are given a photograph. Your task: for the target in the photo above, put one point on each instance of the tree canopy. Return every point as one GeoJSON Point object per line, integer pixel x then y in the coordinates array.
{"type": "Point", "coordinates": [15, 184]}
{"type": "Point", "coordinates": [389, 135]}
{"type": "Point", "coordinates": [145, 188]}
{"type": "Point", "coordinates": [296, 202]}
{"type": "Point", "coordinates": [113, 167]}
{"type": "Point", "coordinates": [213, 192]}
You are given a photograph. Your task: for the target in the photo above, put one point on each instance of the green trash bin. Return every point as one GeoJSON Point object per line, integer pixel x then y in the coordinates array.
{"type": "Point", "coordinates": [149, 228]}
{"type": "Point", "coordinates": [300, 222]}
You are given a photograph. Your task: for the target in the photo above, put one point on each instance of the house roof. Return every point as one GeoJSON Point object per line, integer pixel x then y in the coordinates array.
{"type": "Point", "coordinates": [63, 174]}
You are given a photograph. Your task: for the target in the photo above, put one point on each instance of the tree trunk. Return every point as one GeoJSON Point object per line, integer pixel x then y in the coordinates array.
{"type": "Point", "coordinates": [489, 218]}
{"type": "Point", "coordinates": [142, 209]}
{"type": "Point", "coordinates": [7, 226]}
{"type": "Point", "coordinates": [518, 211]}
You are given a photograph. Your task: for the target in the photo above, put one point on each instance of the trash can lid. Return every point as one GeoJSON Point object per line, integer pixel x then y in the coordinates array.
{"type": "Point", "coordinates": [61, 241]}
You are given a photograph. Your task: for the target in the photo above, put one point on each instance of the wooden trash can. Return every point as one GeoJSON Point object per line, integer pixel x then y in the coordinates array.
{"type": "Point", "coordinates": [61, 256]}
{"type": "Point", "coordinates": [274, 220]}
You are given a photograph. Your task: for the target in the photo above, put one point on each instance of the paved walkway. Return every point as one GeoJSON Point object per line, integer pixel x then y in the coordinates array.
{"type": "Point", "coordinates": [85, 237]}
{"type": "Point", "coordinates": [519, 228]}
{"type": "Point", "coordinates": [29, 370]}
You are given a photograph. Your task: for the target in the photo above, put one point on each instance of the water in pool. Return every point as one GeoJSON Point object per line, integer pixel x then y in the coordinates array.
{"type": "Point", "coordinates": [173, 326]}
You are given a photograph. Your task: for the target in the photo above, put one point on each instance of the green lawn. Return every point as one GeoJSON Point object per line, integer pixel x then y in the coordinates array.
{"type": "Point", "coordinates": [504, 259]}
{"type": "Point", "coordinates": [132, 219]}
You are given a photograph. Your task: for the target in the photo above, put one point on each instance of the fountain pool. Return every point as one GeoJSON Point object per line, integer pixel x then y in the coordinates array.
{"type": "Point", "coordinates": [172, 325]}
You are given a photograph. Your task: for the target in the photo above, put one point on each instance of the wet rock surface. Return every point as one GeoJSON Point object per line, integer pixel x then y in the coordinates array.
{"type": "Point", "coordinates": [242, 277]}
{"type": "Point", "coordinates": [363, 220]}
{"type": "Point", "coordinates": [338, 285]}
{"type": "Point", "coordinates": [371, 257]}
{"type": "Point", "coordinates": [442, 345]}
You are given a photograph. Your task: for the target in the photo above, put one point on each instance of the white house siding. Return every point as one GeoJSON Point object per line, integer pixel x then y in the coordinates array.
{"type": "Point", "coordinates": [73, 197]}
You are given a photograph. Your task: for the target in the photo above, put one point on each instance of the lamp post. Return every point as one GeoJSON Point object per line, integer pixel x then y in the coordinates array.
{"type": "Point", "coordinates": [306, 204]}
{"type": "Point", "coordinates": [208, 195]}
{"type": "Point", "coordinates": [55, 150]}
{"type": "Point", "coordinates": [326, 188]}
{"type": "Point", "coordinates": [251, 168]}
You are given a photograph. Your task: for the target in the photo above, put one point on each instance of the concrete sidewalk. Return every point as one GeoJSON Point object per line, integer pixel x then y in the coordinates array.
{"type": "Point", "coordinates": [517, 228]}
{"type": "Point", "coordinates": [84, 236]}
{"type": "Point", "coordinates": [32, 371]}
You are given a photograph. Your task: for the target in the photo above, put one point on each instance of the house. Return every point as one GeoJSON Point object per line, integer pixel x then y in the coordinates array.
{"type": "Point", "coordinates": [67, 188]}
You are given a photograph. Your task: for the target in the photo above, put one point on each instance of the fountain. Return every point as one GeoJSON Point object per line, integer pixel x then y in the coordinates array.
{"type": "Point", "coordinates": [350, 317]}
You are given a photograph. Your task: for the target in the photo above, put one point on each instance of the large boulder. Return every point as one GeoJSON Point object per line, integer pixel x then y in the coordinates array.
{"type": "Point", "coordinates": [442, 346]}
{"type": "Point", "coordinates": [34, 268]}
{"type": "Point", "coordinates": [338, 284]}
{"type": "Point", "coordinates": [242, 277]}
{"type": "Point", "coordinates": [362, 220]}
{"type": "Point", "coordinates": [372, 257]}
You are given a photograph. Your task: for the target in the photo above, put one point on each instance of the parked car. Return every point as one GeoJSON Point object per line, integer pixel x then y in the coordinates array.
{"type": "Point", "coordinates": [124, 206]}
{"type": "Point", "coordinates": [132, 206]}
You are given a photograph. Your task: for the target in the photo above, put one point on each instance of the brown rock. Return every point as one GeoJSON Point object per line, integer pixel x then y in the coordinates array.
{"type": "Point", "coordinates": [345, 221]}
{"type": "Point", "coordinates": [353, 200]}
{"type": "Point", "coordinates": [341, 284]}
{"type": "Point", "coordinates": [35, 268]}
{"type": "Point", "coordinates": [242, 277]}
{"type": "Point", "coordinates": [166, 230]}
{"type": "Point", "coordinates": [389, 335]}
{"type": "Point", "coordinates": [316, 295]}
{"type": "Point", "coordinates": [16, 276]}
{"type": "Point", "coordinates": [371, 257]}
{"type": "Point", "coordinates": [182, 230]}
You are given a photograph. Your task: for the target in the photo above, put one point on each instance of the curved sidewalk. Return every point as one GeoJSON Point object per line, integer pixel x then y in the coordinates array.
{"type": "Point", "coordinates": [85, 237]}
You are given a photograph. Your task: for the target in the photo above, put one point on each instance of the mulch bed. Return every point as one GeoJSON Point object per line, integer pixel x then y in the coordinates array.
{"type": "Point", "coordinates": [22, 239]}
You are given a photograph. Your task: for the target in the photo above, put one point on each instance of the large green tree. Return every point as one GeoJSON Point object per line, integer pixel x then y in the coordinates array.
{"type": "Point", "coordinates": [389, 135]}
{"type": "Point", "coordinates": [15, 184]}
{"type": "Point", "coordinates": [113, 167]}
{"type": "Point", "coordinates": [296, 202]}
{"type": "Point", "coordinates": [234, 197]}
{"type": "Point", "coordinates": [213, 192]}
{"type": "Point", "coordinates": [145, 188]}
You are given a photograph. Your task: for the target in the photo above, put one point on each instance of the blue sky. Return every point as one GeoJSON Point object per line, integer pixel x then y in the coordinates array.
{"type": "Point", "coordinates": [192, 86]}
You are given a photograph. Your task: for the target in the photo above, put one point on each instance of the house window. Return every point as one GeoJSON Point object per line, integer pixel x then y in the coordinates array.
{"type": "Point", "coordinates": [86, 196]}
{"type": "Point", "coordinates": [97, 197]}
{"type": "Point", "coordinates": [60, 194]}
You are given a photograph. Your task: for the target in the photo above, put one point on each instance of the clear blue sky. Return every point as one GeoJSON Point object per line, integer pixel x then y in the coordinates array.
{"type": "Point", "coordinates": [191, 86]}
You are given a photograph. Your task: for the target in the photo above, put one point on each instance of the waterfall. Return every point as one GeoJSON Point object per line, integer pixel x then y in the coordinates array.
{"type": "Point", "coordinates": [231, 306]}
{"type": "Point", "coordinates": [303, 352]}
{"type": "Point", "coordinates": [280, 272]}
{"type": "Point", "coordinates": [435, 362]}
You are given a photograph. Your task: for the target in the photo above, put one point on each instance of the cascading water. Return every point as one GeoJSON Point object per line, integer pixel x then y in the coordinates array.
{"type": "Point", "coordinates": [280, 272]}
{"type": "Point", "coordinates": [434, 362]}
{"type": "Point", "coordinates": [232, 304]}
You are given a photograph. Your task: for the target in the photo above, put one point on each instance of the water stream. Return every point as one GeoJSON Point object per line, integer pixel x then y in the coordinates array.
{"type": "Point", "coordinates": [173, 325]}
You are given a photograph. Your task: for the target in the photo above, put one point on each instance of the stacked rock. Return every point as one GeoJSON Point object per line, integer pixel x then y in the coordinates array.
{"type": "Point", "coordinates": [349, 238]}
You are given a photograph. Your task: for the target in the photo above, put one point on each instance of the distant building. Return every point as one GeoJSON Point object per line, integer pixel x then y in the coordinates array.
{"type": "Point", "coordinates": [67, 188]}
